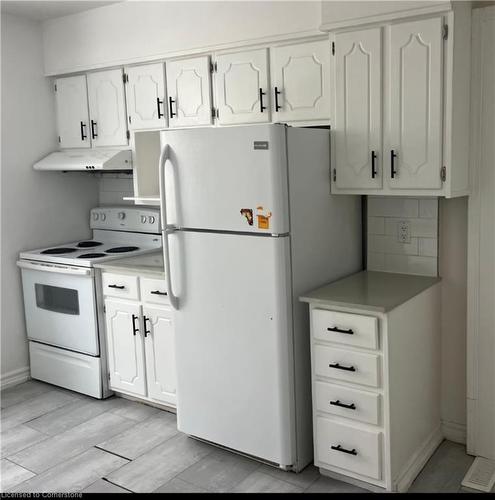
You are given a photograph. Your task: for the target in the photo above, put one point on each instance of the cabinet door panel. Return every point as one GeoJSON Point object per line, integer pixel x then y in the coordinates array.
{"type": "Point", "coordinates": [160, 354]}
{"type": "Point", "coordinates": [125, 349]}
{"type": "Point", "coordinates": [301, 74]}
{"type": "Point", "coordinates": [146, 96]}
{"type": "Point", "coordinates": [189, 88]}
{"type": "Point", "coordinates": [240, 78]}
{"type": "Point", "coordinates": [107, 108]}
{"type": "Point", "coordinates": [415, 104]}
{"type": "Point", "coordinates": [72, 112]}
{"type": "Point", "coordinates": [357, 126]}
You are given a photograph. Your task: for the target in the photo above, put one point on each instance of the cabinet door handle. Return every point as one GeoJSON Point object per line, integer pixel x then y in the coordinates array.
{"type": "Point", "coordinates": [158, 103]}
{"type": "Point", "coordinates": [393, 156]}
{"type": "Point", "coordinates": [340, 330]}
{"type": "Point", "coordinates": [170, 103]}
{"type": "Point", "coordinates": [373, 166]}
{"type": "Point", "coordinates": [135, 329]}
{"type": "Point", "coordinates": [146, 331]}
{"type": "Point", "coordinates": [340, 367]}
{"type": "Point", "coordinates": [262, 108]}
{"type": "Point", "coordinates": [337, 402]}
{"type": "Point", "coordinates": [83, 135]}
{"type": "Point", "coordinates": [343, 450]}
{"type": "Point", "coordinates": [119, 287]}
{"type": "Point", "coordinates": [277, 93]}
{"type": "Point", "coordinates": [157, 292]}
{"type": "Point", "coordinates": [94, 135]}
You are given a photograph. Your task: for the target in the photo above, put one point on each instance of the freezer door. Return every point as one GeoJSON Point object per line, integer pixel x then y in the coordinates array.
{"type": "Point", "coordinates": [230, 179]}
{"type": "Point", "coordinates": [234, 342]}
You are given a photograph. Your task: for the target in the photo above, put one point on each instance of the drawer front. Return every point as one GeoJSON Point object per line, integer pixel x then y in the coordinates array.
{"type": "Point", "coordinates": [340, 364]}
{"type": "Point", "coordinates": [349, 403]}
{"type": "Point", "coordinates": [120, 285]}
{"type": "Point", "coordinates": [154, 291]}
{"type": "Point", "coordinates": [344, 328]}
{"type": "Point", "coordinates": [334, 440]}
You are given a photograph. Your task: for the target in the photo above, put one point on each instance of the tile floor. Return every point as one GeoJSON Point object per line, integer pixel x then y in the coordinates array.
{"type": "Point", "coordinates": [54, 440]}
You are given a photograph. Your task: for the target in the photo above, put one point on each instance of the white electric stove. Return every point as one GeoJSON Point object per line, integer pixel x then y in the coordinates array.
{"type": "Point", "coordinates": [61, 300]}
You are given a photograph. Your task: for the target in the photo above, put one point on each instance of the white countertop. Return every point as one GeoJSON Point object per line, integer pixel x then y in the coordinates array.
{"type": "Point", "coordinates": [150, 263]}
{"type": "Point", "coordinates": [370, 290]}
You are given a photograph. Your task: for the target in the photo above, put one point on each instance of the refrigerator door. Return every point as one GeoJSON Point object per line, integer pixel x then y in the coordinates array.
{"type": "Point", "coordinates": [228, 179]}
{"type": "Point", "coordinates": [234, 342]}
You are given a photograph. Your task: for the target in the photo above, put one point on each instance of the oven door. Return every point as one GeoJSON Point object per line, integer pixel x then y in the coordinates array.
{"type": "Point", "coordinates": [60, 306]}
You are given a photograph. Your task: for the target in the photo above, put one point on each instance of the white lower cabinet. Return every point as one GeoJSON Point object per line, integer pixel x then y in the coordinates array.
{"type": "Point", "coordinates": [140, 341]}
{"type": "Point", "coordinates": [375, 389]}
{"type": "Point", "coordinates": [125, 347]}
{"type": "Point", "coordinates": [160, 354]}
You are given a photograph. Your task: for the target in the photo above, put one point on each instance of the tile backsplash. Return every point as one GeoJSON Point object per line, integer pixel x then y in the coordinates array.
{"type": "Point", "coordinates": [113, 187]}
{"type": "Point", "coordinates": [402, 235]}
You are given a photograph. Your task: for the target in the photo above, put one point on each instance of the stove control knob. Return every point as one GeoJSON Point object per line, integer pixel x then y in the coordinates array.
{"type": "Point", "coordinates": [151, 220]}
{"type": "Point", "coordinates": [121, 215]}
{"type": "Point", "coordinates": [143, 219]}
{"type": "Point", "coordinates": [103, 216]}
{"type": "Point", "coordinates": [95, 216]}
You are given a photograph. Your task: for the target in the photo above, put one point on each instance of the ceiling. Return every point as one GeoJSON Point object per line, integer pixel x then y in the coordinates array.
{"type": "Point", "coordinates": [42, 10]}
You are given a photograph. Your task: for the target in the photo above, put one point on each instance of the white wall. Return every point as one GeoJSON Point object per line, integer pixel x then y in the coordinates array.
{"type": "Point", "coordinates": [135, 31]}
{"type": "Point", "coordinates": [113, 188]}
{"type": "Point", "coordinates": [37, 208]}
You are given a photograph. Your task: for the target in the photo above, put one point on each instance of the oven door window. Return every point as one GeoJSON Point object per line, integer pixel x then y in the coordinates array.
{"type": "Point", "coordinates": [57, 299]}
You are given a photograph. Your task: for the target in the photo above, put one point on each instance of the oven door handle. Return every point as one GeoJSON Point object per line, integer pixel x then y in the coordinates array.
{"type": "Point", "coordinates": [53, 268]}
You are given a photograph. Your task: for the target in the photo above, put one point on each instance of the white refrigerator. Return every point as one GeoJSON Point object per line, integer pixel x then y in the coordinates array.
{"type": "Point", "coordinates": [249, 225]}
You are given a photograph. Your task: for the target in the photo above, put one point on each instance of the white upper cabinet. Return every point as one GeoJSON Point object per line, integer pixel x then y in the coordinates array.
{"type": "Point", "coordinates": [108, 125]}
{"type": "Point", "coordinates": [189, 92]}
{"type": "Point", "coordinates": [357, 120]}
{"type": "Point", "coordinates": [72, 112]}
{"type": "Point", "coordinates": [242, 92]}
{"type": "Point", "coordinates": [125, 347]}
{"type": "Point", "coordinates": [300, 76]}
{"type": "Point", "coordinates": [145, 92]}
{"type": "Point", "coordinates": [413, 145]}
{"type": "Point", "coordinates": [402, 90]}
{"type": "Point", "coordinates": [160, 354]}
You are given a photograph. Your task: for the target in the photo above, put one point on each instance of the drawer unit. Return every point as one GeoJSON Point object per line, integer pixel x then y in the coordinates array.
{"type": "Point", "coordinates": [154, 291]}
{"type": "Point", "coordinates": [120, 285]}
{"type": "Point", "coordinates": [349, 403]}
{"type": "Point", "coordinates": [349, 366]}
{"type": "Point", "coordinates": [349, 448]}
{"type": "Point", "coordinates": [344, 328]}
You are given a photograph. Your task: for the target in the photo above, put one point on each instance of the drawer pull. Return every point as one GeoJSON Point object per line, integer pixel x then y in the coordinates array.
{"type": "Point", "coordinates": [135, 329]}
{"type": "Point", "coordinates": [119, 287]}
{"type": "Point", "coordinates": [343, 450]}
{"type": "Point", "coordinates": [337, 402]}
{"type": "Point", "coordinates": [157, 292]}
{"type": "Point", "coordinates": [339, 330]}
{"type": "Point", "coordinates": [340, 367]}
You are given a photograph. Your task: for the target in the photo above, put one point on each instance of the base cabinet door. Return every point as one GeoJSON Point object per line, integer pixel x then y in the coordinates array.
{"type": "Point", "coordinates": [108, 125]}
{"type": "Point", "coordinates": [357, 126]}
{"type": "Point", "coordinates": [125, 347]}
{"type": "Point", "coordinates": [241, 82]}
{"type": "Point", "coordinates": [160, 354]}
{"type": "Point", "coordinates": [145, 94]}
{"type": "Point", "coordinates": [300, 76]}
{"type": "Point", "coordinates": [414, 105]}
{"type": "Point", "coordinates": [189, 92]}
{"type": "Point", "coordinates": [72, 112]}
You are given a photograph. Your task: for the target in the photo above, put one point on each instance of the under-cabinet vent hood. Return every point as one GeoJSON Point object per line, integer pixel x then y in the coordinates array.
{"type": "Point", "coordinates": [87, 160]}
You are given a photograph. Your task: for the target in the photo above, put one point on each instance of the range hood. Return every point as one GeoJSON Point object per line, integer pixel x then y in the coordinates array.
{"type": "Point", "coordinates": [87, 160]}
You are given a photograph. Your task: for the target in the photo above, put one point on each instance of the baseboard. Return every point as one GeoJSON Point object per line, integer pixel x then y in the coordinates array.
{"type": "Point", "coordinates": [14, 377]}
{"type": "Point", "coordinates": [454, 432]}
{"type": "Point", "coordinates": [418, 460]}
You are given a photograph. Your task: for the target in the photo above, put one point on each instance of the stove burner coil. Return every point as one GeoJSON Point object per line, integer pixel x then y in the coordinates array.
{"type": "Point", "coordinates": [91, 255]}
{"type": "Point", "coordinates": [56, 251]}
{"type": "Point", "coordinates": [121, 249]}
{"type": "Point", "coordinates": [89, 244]}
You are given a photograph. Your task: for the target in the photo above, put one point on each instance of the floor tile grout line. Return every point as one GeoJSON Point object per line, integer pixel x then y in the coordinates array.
{"type": "Point", "coordinates": [19, 465]}
{"type": "Point", "coordinates": [113, 453]}
{"type": "Point", "coordinates": [114, 484]}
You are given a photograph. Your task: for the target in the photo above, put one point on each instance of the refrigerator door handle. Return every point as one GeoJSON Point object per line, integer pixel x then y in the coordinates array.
{"type": "Point", "coordinates": [166, 228]}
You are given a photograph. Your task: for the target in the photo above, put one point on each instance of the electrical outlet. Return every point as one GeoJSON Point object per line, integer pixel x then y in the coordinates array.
{"type": "Point", "coordinates": [404, 231]}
